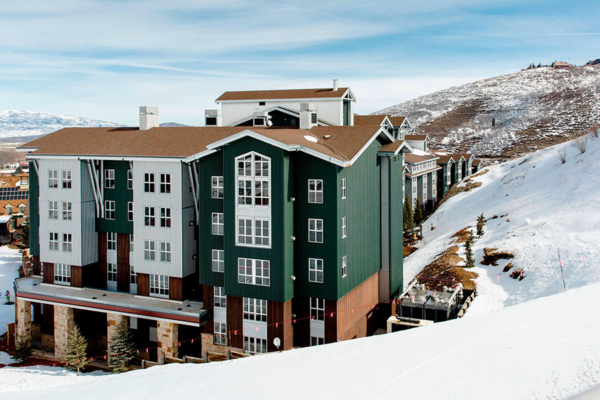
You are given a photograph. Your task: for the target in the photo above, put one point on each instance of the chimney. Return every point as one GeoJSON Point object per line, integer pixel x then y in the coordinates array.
{"type": "Point", "coordinates": [335, 85]}
{"type": "Point", "coordinates": [308, 115]}
{"type": "Point", "coordinates": [213, 118]}
{"type": "Point", "coordinates": [148, 118]}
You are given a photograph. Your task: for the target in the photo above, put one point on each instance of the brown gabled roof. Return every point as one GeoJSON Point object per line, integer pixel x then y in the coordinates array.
{"type": "Point", "coordinates": [397, 121]}
{"type": "Point", "coordinates": [444, 158]}
{"type": "Point", "coordinates": [360, 120]}
{"type": "Point", "coordinates": [391, 147]}
{"type": "Point", "coordinates": [414, 159]}
{"type": "Point", "coordinates": [476, 162]}
{"type": "Point", "coordinates": [347, 140]}
{"type": "Point", "coordinates": [415, 137]}
{"type": "Point", "coordinates": [283, 94]}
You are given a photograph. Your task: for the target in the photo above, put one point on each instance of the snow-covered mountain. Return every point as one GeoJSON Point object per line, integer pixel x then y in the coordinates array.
{"type": "Point", "coordinates": [510, 115]}
{"type": "Point", "coordinates": [23, 125]}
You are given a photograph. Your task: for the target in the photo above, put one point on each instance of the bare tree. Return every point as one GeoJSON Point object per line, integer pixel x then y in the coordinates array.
{"type": "Point", "coordinates": [562, 155]}
{"type": "Point", "coordinates": [596, 131]}
{"type": "Point", "coordinates": [581, 144]}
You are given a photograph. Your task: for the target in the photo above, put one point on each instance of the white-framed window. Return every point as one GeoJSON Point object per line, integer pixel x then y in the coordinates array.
{"type": "Point", "coordinates": [130, 211]}
{"type": "Point", "coordinates": [165, 183]}
{"type": "Point", "coordinates": [149, 219]}
{"type": "Point", "coordinates": [254, 345]}
{"type": "Point", "coordinates": [315, 270]}
{"type": "Point", "coordinates": [109, 208]}
{"type": "Point", "coordinates": [53, 209]}
{"type": "Point", "coordinates": [244, 231]}
{"type": "Point", "coordinates": [131, 242]}
{"type": "Point", "coordinates": [109, 178]}
{"type": "Point", "coordinates": [218, 261]}
{"type": "Point", "coordinates": [317, 309]}
{"type": "Point", "coordinates": [315, 230]}
{"type": "Point", "coordinates": [62, 274]}
{"type": "Point", "coordinates": [165, 217]}
{"type": "Point", "coordinates": [262, 235]}
{"type": "Point", "coordinates": [53, 243]}
{"type": "Point", "coordinates": [66, 179]}
{"type": "Point", "coordinates": [220, 333]}
{"type": "Point", "coordinates": [253, 174]}
{"type": "Point", "coordinates": [315, 191]}
{"type": "Point", "coordinates": [344, 227]}
{"type": "Point", "coordinates": [165, 252]}
{"type": "Point", "coordinates": [149, 250]}
{"type": "Point", "coordinates": [149, 182]}
{"type": "Point", "coordinates": [53, 178]}
{"type": "Point", "coordinates": [130, 179]}
{"type": "Point", "coordinates": [218, 226]}
{"type": "Point", "coordinates": [9, 208]}
{"type": "Point", "coordinates": [254, 272]}
{"type": "Point", "coordinates": [132, 276]}
{"type": "Point", "coordinates": [67, 209]}
{"type": "Point", "coordinates": [111, 272]}
{"type": "Point", "coordinates": [344, 266]}
{"type": "Point", "coordinates": [67, 242]}
{"type": "Point", "coordinates": [316, 341]}
{"type": "Point", "coordinates": [159, 285]}
{"type": "Point", "coordinates": [344, 190]}
{"type": "Point", "coordinates": [220, 297]}
{"type": "Point", "coordinates": [111, 241]}
{"type": "Point", "coordinates": [255, 309]}
{"type": "Point", "coordinates": [217, 187]}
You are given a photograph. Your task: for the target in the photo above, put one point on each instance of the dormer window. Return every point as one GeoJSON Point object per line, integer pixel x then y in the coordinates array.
{"type": "Point", "coordinates": [313, 118]}
{"type": "Point", "coordinates": [9, 208]}
{"type": "Point", "coordinates": [259, 121]}
{"type": "Point", "coordinates": [262, 103]}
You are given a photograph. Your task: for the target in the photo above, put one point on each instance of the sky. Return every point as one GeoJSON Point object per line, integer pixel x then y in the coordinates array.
{"type": "Point", "coordinates": [104, 59]}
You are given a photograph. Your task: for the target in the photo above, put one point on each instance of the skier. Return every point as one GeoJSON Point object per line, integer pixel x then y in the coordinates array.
{"type": "Point", "coordinates": [8, 296]}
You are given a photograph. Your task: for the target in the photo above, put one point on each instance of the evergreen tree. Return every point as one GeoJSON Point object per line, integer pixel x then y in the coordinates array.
{"type": "Point", "coordinates": [408, 214]}
{"type": "Point", "coordinates": [480, 223]}
{"type": "Point", "coordinates": [23, 350]}
{"type": "Point", "coordinates": [24, 239]}
{"type": "Point", "coordinates": [418, 217]}
{"type": "Point", "coordinates": [121, 350]}
{"type": "Point", "coordinates": [470, 262]}
{"type": "Point", "coordinates": [76, 350]}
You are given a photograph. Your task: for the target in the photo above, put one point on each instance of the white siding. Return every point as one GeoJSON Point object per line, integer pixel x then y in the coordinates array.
{"type": "Point", "coordinates": [255, 329]}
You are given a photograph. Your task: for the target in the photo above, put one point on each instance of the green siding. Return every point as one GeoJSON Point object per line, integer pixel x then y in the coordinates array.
{"type": "Point", "coordinates": [34, 211]}
{"type": "Point", "coordinates": [396, 224]}
{"type": "Point", "coordinates": [121, 195]}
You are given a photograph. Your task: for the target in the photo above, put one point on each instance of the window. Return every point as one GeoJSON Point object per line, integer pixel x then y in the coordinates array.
{"type": "Point", "coordinates": [253, 180]}
{"type": "Point", "coordinates": [52, 178]}
{"type": "Point", "coordinates": [220, 297]}
{"type": "Point", "coordinates": [315, 191]}
{"type": "Point", "coordinates": [53, 209]}
{"type": "Point", "coordinates": [149, 183]}
{"type": "Point", "coordinates": [130, 179]}
{"type": "Point", "coordinates": [109, 206]}
{"type": "Point", "coordinates": [313, 118]}
{"type": "Point", "coordinates": [62, 273]}
{"type": "Point", "coordinates": [244, 231]}
{"type": "Point", "coordinates": [315, 230]}
{"type": "Point", "coordinates": [66, 179]}
{"type": "Point", "coordinates": [149, 216]}
{"type": "Point", "coordinates": [254, 272]}
{"type": "Point", "coordinates": [344, 266]}
{"type": "Point", "coordinates": [217, 187]}
{"type": "Point", "coordinates": [165, 252]}
{"type": "Point", "coordinates": [131, 242]}
{"type": "Point", "coordinates": [111, 271]}
{"type": "Point", "coordinates": [218, 261]}
{"type": "Point", "coordinates": [343, 188]}
{"type": "Point", "coordinates": [217, 224]}
{"type": "Point", "coordinates": [317, 309]}
{"type": "Point", "coordinates": [165, 217]}
{"type": "Point", "coordinates": [67, 210]}
{"type": "Point", "coordinates": [261, 232]}
{"type": "Point", "coordinates": [9, 208]}
{"type": "Point", "coordinates": [130, 211]}
{"type": "Point", "coordinates": [159, 285]}
{"type": "Point", "coordinates": [255, 345]}
{"type": "Point", "coordinates": [316, 341]}
{"type": "Point", "coordinates": [220, 333]}
{"type": "Point", "coordinates": [165, 183]}
{"type": "Point", "coordinates": [259, 235]}
{"type": "Point", "coordinates": [315, 270]}
{"type": "Point", "coordinates": [149, 250]}
{"type": "Point", "coordinates": [22, 208]}
{"type": "Point", "coordinates": [132, 276]}
{"type": "Point", "coordinates": [255, 309]}
{"type": "Point", "coordinates": [111, 241]}
{"type": "Point", "coordinates": [344, 227]}
{"type": "Point", "coordinates": [67, 242]}
{"type": "Point", "coordinates": [53, 241]}
{"type": "Point", "coordinates": [109, 178]}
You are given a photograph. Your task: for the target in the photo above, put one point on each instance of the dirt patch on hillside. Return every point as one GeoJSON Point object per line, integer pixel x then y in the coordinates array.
{"type": "Point", "coordinates": [408, 250]}
{"type": "Point", "coordinates": [440, 127]}
{"type": "Point", "coordinates": [456, 189]}
{"type": "Point", "coordinates": [445, 271]}
{"type": "Point", "coordinates": [462, 235]}
{"type": "Point", "coordinates": [491, 255]}
{"type": "Point", "coordinates": [480, 173]}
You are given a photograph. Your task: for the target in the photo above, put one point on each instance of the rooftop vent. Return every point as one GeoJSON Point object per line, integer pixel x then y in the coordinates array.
{"type": "Point", "coordinates": [148, 118]}
{"type": "Point", "coordinates": [335, 85]}
{"type": "Point", "coordinates": [213, 118]}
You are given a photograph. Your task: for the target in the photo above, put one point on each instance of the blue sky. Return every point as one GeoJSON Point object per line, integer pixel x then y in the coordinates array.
{"type": "Point", "coordinates": [103, 59]}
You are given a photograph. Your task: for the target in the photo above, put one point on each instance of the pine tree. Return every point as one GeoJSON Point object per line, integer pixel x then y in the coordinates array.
{"type": "Point", "coordinates": [470, 262]}
{"type": "Point", "coordinates": [23, 350]}
{"type": "Point", "coordinates": [408, 214]}
{"type": "Point", "coordinates": [121, 350]}
{"type": "Point", "coordinates": [418, 217]}
{"type": "Point", "coordinates": [480, 223]}
{"type": "Point", "coordinates": [76, 350]}
{"type": "Point", "coordinates": [25, 234]}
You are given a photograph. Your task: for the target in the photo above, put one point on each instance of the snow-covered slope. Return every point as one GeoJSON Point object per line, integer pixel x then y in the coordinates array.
{"type": "Point", "coordinates": [10, 261]}
{"type": "Point", "coordinates": [533, 109]}
{"type": "Point", "coordinates": [19, 124]}
{"type": "Point", "coordinates": [549, 207]}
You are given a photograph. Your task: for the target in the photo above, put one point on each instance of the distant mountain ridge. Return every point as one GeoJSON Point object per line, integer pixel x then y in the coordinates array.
{"type": "Point", "coordinates": [510, 115]}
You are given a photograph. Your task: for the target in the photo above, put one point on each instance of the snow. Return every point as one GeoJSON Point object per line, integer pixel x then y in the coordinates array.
{"type": "Point", "coordinates": [10, 261]}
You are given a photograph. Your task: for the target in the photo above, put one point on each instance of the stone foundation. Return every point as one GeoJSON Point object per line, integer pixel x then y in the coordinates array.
{"type": "Point", "coordinates": [168, 339]}
{"type": "Point", "coordinates": [23, 320]}
{"type": "Point", "coordinates": [63, 321]}
{"type": "Point", "coordinates": [208, 346]}
{"type": "Point", "coordinates": [47, 342]}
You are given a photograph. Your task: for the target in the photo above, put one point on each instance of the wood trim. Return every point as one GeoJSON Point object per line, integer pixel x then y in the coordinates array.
{"type": "Point", "coordinates": [123, 277]}
{"type": "Point", "coordinates": [37, 265]}
{"type": "Point", "coordinates": [280, 313]}
{"type": "Point", "coordinates": [76, 276]}
{"type": "Point", "coordinates": [235, 321]}
{"type": "Point", "coordinates": [359, 323]}
{"type": "Point", "coordinates": [331, 325]}
{"type": "Point", "coordinates": [48, 273]}
{"type": "Point", "coordinates": [208, 303]}
{"type": "Point", "coordinates": [123, 245]}
{"type": "Point", "coordinates": [143, 284]}
{"type": "Point", "coordinates": [175, 288]}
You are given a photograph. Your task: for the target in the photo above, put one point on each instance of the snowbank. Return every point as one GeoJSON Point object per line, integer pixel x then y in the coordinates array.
{"type": "Point", "coordinates": [10, 261]}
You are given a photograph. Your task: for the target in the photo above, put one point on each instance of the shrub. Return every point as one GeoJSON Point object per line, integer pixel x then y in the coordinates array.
{"type": "Point", "coordinates": [562, 155]}
{"type": "Point", "coordinates": [23, 350]}
{"type": "Point", "coordinates": [580, 144]}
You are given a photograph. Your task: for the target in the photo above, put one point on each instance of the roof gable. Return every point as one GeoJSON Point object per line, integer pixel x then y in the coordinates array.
{"type": "Point", "coordinates": [323, 93]}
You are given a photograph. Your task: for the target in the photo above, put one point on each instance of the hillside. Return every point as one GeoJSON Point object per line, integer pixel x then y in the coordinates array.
{"type": "Point", "coordinates": [23, 126]}
{"type": "Point", "coordinates": [533, 109]}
